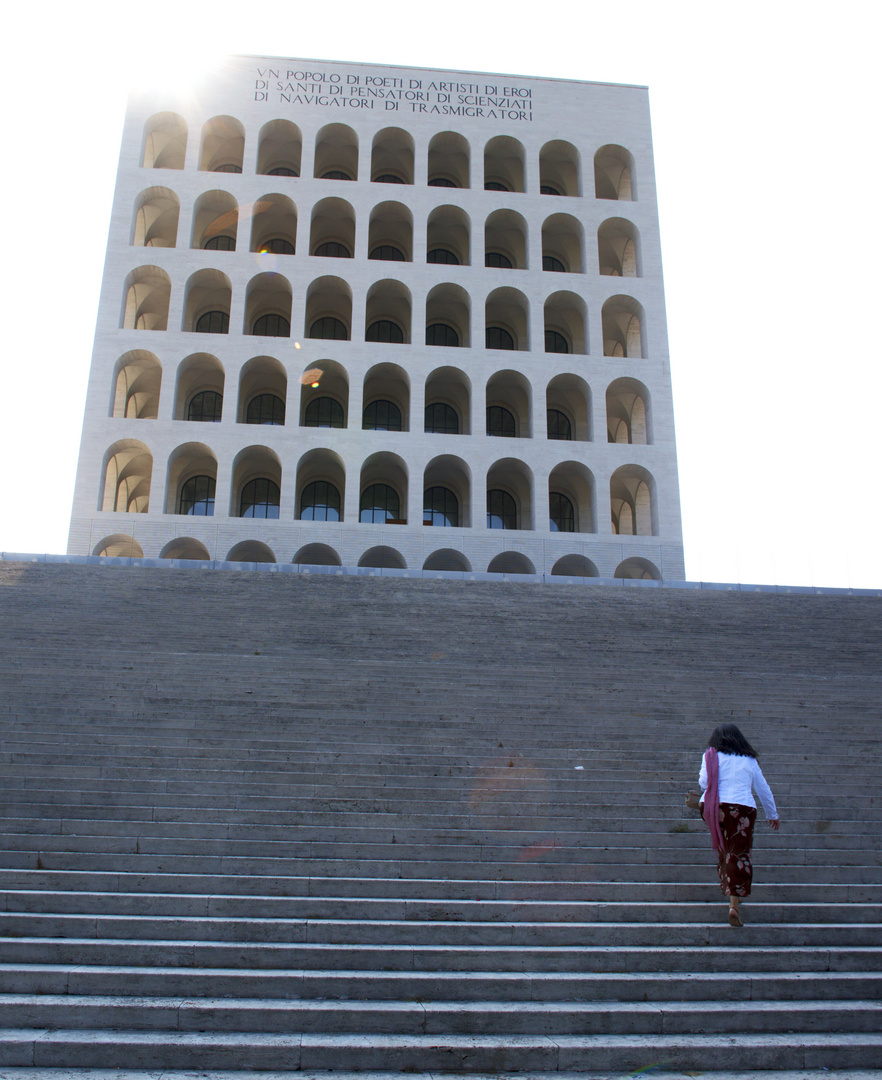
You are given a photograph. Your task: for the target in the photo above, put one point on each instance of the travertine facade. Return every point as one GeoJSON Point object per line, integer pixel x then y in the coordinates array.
{"type": "Point", "coordinates": [326, 284]}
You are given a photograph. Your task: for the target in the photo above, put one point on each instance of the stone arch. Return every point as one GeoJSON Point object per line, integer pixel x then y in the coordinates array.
{"type": "Point", "coordinates": [514, 478]}
{"type": "Point", "coordinates": [336, 153]}
{"type": "Point", "coordinates": [512, 391]}
{"type": "Point", "coordinates": [332, 229]}
{"type": "Point", "coordinates": [197, 373]}
{"type": "Point", "coordinates": [388, 382]}
{"type": "Point", "coordinates": [165, 142]}
{"type": "Point", "coordinates": [137, 377]}
{"type": "Point", "coordinates": [255, 463]}
{"type": "Point", "coordinates": [505, 235]}
{"type": "Point", "coordinates": [628, 413]}
{"type": "Point", "coordinates": [451, 387]}
{"type": "Point", "coordinates": [324, 379]}
{"type": "Point", "coordinates": [118, 546]}
{"type": "Point", "coordinates": [560, 169]}
{"type": "Point", "coordinates": [215, 221]}
{"type": "Point", "coordinates": [268, 300]}
{"type": "Point", "coordinates": [320, 466]}
{"type": "Point", "coordinates": [392, 156]}
{"type": "Point", "coordinates": [223, 145]}
{"type": "Point", "coordinates": [251, 551]}
{"type": "Point", "coordinates": [509, 310]}
{"type": "Point", "coordinates": [575, 482]}
{"type": "Point", "coordinates": [127, 470]}
{"type": "Point", "coordinates": [566, 322]}
{"type": "Point", "coordinates": [623, 328]}
{"type": "Point", "coordinates": [614, 173]}
{"type": "Point", "coordinates": [185, 462]}
{"type": "Point", "coordinates": [618, 249]}
{"type": "Point", "coordinates": [504, 163]}
{"type": "Point", "coordinates": [185, 548]}
{"type": "Point", "coordinates": [146, 296]}
{"type": "Point", "coordinates": [388, 470]}
{"type": "Point", "coordinates": [279, 149]}
{"type": "Point", "coordinates": [453, 473]}
{"type": "Point", "coordinates": [390, 227]}
{"type": "Point", "coordinates": [570, 395]}
{"type": "Point", "coordinates": [383, 558]}
{"type": "Point", "coordinates": [633, 502]}
{"type": "Point", "coordinates": [388, 301]}
{"type": "Point", "coordinates": [448, 559]}
{"type": "Point", "coordinates": [155, 220]}
{"type": "Point", "coordinates": [448, 230]}
{"type": "Point", "coordinates": [574, 566]}
{"type": "Point", "coordinates": [510, 562]}
{"type": "Point", "coordinates": [563, 244]}
{"type": "Point", "coordinates": [274, 226]}
{"type": "Point", "coordinates": [636, 569]}
{"type": "Point", "coordinates": [328, 298]}
{"type": "Point", "coordinates": [208, 293]}
{"type": "Point", "coordinates": [317, 555]}
{"type": "Point", "coordinates": [449, 155]}
{"type": "Point", "coordinates": [259, 376]}
{"type": "Point", "coordinates": [449, 306]}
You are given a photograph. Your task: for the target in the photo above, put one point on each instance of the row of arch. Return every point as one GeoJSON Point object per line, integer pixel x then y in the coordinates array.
{"type": "Point", "coordinates": [263, 398]}
{"type": "Point", "coordinates": [393, 156]}
{"type": "Point", "coordinates": [273, 221]}
{"type": "Point", "coordinates": [509, 496]}
{"type": "Point", "coordinates": [388, 313]}
{"type": "Point", "coordinates": [188, 548]}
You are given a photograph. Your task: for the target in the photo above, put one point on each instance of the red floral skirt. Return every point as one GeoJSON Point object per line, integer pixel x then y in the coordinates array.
{"type": "Point", "coordinates": [735, 867]}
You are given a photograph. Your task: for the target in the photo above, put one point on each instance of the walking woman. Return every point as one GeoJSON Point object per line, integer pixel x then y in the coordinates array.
{"type": "Point", "coordinates": [729, 772]}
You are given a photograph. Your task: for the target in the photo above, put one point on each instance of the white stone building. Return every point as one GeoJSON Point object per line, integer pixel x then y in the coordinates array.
{"type": "Point", "coordinates": [328, 283]}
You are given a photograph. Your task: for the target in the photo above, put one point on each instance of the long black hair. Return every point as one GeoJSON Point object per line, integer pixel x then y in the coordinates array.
{"type": "Point", "coordinates": [727, 739]}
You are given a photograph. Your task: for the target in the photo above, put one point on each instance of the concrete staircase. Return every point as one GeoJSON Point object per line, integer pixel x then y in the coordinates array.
{"type": "Point", "coordinates": [265, 823]}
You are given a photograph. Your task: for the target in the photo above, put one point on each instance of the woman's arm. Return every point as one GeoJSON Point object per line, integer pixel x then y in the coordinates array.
{"type": "Point", "coordinates": [765, 794]}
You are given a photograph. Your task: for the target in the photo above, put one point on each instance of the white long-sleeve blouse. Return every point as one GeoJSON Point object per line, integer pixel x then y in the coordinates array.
{"type": "Point", "coordinates": [738, 775]}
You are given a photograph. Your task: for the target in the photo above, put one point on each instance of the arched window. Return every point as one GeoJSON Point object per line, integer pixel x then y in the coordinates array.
{"type": "Point", "coordinates": [197, 497]}
{"type": "Point", "coordinates": [555, 342]}
{"type": "Point", "coordinates": [265, 409]}
{"type": "Point", "coordinates": [323, 412]}
{"type": "Point", "coordinates": [442, 255]}
{"type": "Point", "coordinates": [320, 501]}
{"type": "Point", "coordinates": [387, 253]}
{"type": "Point", "coordinates": [213, 322]}
{"type": "Point", "coordinates": [441, 181]}
{"type": "Point", "coordinates": [385, 331]}
{"type": "Point", "coordinates": [497, 260]}
{"type": "Point", "coordinates": [282, 170]}
{"type": "Point", "coordinates": [440, 507]}
{"type": "Point", "coordinates": [500, 422]}
{"type": "Point", "coordinates": [442, 334]}
{"type": "Point", "coordinates": [562, 517]}
{"type": "Point", "coordinates": [441, 419]}
{"type": "Point", "coordinates": [388, 178]}
{"type": "Point", "coordinates": [497, 338]}
{"type": "Point", "coordinates": [220, 243]}
{"type": "Point", "coordinates": [559, 426]}
{"type": "Point", "coordinates": [271, 326]}
{"type": "Point", "coordinates": [379, 503]}
{"type": "Point", "coordinates": [260, 499]}
{"type": "Point", "coordinates": [277, 245]}
{"type": "Point", "coordinates": [206, 407]}
{"type": "Point", "coordinates": [381, 416]}
{"type": "Point", "coordinates": [549, 262]}
{"type": "Point", "coordinates": [336, 174]}
{"type": "Point", "coordinates": [495, 185]}
{"type": "Point", "coordinates": [501, 510]}
{"type": "Point", "coordinates": [330, 329]}
{"type": "Point", "coordinates": [333, 250]}
{"type": "Point", "coordinates": [547, 189]}
{"type": "Point", "coordinates": [229, 167]}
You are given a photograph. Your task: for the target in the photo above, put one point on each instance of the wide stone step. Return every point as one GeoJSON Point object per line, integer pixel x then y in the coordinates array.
{"type": "Point", "coordinates": [464, 1053]}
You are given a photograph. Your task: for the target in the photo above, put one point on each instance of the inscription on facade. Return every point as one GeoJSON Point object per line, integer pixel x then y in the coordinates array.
{"type": "Point", "coordinates": [327, 89]}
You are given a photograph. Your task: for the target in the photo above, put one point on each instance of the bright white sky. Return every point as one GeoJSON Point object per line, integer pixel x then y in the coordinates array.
{"type": "Point", "coordinates": [766, 128]}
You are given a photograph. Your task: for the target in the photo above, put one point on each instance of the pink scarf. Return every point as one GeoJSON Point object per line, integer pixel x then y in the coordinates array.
{"type": "Point", "coordinates": [712, 798]}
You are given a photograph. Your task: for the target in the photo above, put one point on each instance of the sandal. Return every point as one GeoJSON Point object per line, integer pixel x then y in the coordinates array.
{"type": "Point", "coordinates": [734, 917]}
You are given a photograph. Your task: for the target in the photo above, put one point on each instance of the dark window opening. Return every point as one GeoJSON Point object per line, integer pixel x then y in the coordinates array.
{"type": "Point", "coordinates": [197, 497]}
{"type": "Point", "coordinates": [323, 412]}
{"type": "Point", "coordinates": [230, 167]}
{"type": "Point", "coordinates": [559, 426]}
{"type": "Point", "coordinates": [265, 409]}
{"type": "Point", "coordinates": [555, 342]}
{"type": "Point", "coordinates": [220, 243]}
{"type": "Point", "coordinates": [547, 189]}
{"type": "Point", "coordinates": [441, 181]}
{"type": "Point", "coordinates": [336, 174]}
{"type": "Point", "coordinates": [332, 250]}
{"type": "Point", "coordinates": [282, 170]}
{"type": "Point", "coordinates": [441, 419]}
{"type": "Point", "coordinates": [213, 322]}
{"type": "Point", "coordinates": [320, 501]}
{"type": "Point", "coordinates": [497, 338]}
{"type": "Point", "coordinates": [498, 261]}
{"type": "Point", "coordinates": [260, 499]}
{"type": "Point", "coordinates": [271, 326]}
{"type": "Point", "coordinates": [500, 422]}
{"type": "Point", "coordinates": [330, 329]}
{"type": "Point", "coordinates": [442, 334]}
{"type": "Point", "coordinates": [562, 516]}
{"type": "Point", "coordinates": [381, 416]}
{"type": "Point", "coordinates": [379, 504]}
{"type": "Point", "coordinates": [387, 253]}
{"type": "Point", "coordinates": [495, 185]}
{"type": "Point", "coordinates": [549, 262]}
{"type": "Point", "coordinates": [442, 255]}
{"type": "Point", "coordinates": [502, 512]}
{"type": "Point", "coordinates": [440, 508]}
{"type": "Point", "coordinates": [388, 178]}
{"type": "Point", "coordinates": [276, 246]}
{"type": "Point", "coordinates": [206, 407]}
{"type": "Point", "coordinates": [386, 332]}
